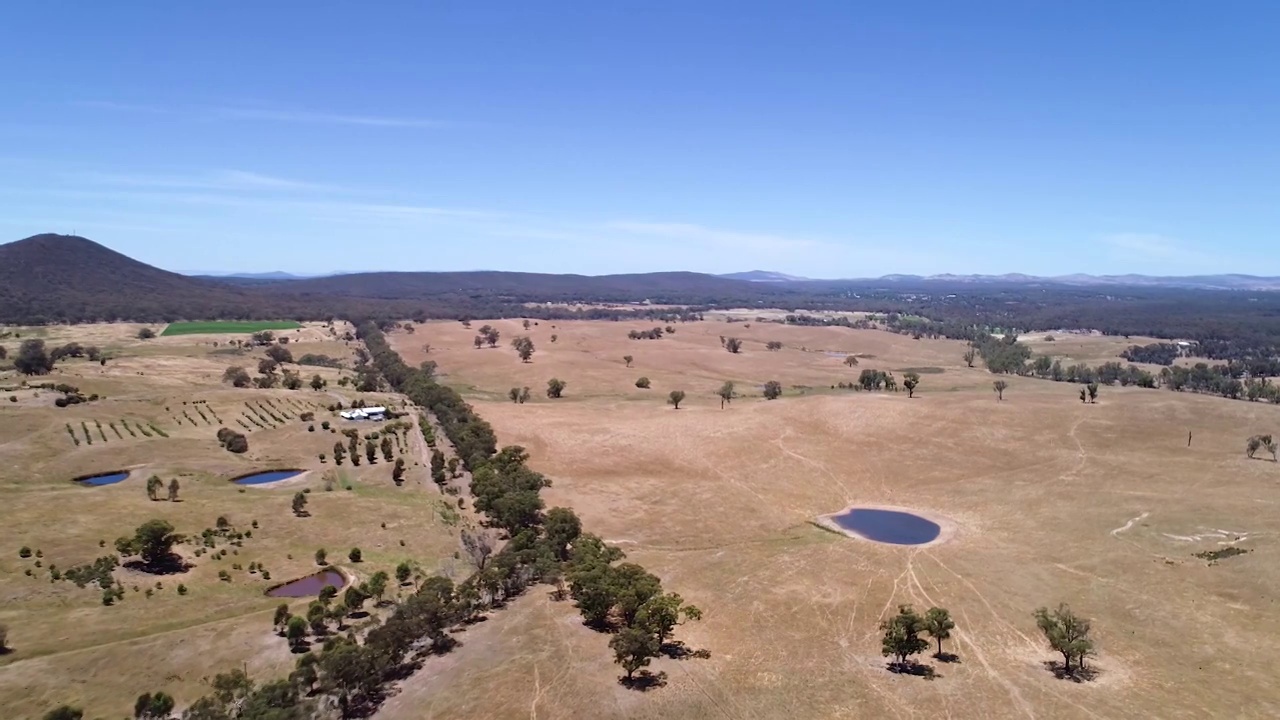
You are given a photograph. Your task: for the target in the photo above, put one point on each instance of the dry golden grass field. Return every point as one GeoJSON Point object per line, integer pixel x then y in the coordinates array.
{"type": "Point", "coordinates": [68, 647]}
{"type": "Point", "coordinates": [1050, 500]}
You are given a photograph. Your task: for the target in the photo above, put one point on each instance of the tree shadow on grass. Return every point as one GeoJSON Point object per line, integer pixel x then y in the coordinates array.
{"type": "Point", "coordinates": [1077, 674]}
{"type": "Point", "coordinates": [677, 650]}
{"type": "Point", "coordinates": [643, 681]}
{"type": "Point", "coordinates": [946, 657]}
{"type": "Point", "coordinates": [172, 565]}
{"type": "Point", "coordinates": [912, 667]}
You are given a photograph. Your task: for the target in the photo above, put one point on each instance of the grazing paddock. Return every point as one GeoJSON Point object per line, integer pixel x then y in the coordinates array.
{"type": "Point", "coordinates": [1102, 506]}
{"type": "Point", "coordinates": [67, 645]}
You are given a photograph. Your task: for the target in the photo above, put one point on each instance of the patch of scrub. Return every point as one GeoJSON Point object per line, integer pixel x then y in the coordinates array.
{"type": "Point", "coordinates": [269, 476]}
{"type": "Point", "coordinates": [309, 586]}
{"type": "Point", "coordinates": [890, 525]}
{"type": "Point", "coordinates": [102, 479]}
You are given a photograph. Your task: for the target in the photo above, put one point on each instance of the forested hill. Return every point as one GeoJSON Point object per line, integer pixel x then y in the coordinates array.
{"type": "Point", "coordinates": [60, 278]}
{"type": "Point", "coordinates": [64, 278]}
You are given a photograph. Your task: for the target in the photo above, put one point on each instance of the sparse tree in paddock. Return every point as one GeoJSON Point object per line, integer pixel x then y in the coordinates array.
{"type": "Point", "coordinates": [555, 338]}
{"type": "Point", "coordinates": [32, 358]}
{"type": "Point", "coordinates": [773, 346]}
{"type": "Point", "coordinates": [296, 631]}
{"type": "Point", "coordinates": [850, 360]}
{"type": "Point", "coordinates": [642, 383]}
{"type": "Point", "coordinates": [525, 324]}
{"type": "Point", "coordinates": [1084, 395]}
{"type": "Point", "coordinates": [237, 376]}
{"type": "Point", "coordinates": [397, 471]}
{"type": "Point", "coordinates": [490, 335]}
{"type": "Point", "coordinates": [355, 555]}
{"type": "Point", "coordinates": [1067, 633]}
{"type": "Point", "coordinates": [628, 360]}
{"type": "Point", "coordinates": [403, 571]}
{"type": "Point", "coordinates": [524, 395]}
{"type": "Point", "coordinates": [282, 616]}
{"type": "Point", "coordinates": [478, 341]}
{"type": "Point", "coordinates": [902, 638]}
{"type": "Point", "coordinates": [322, 558]}
{"type": "Point", "coordinates": [317, 383]}
{"type": "Point", "coordinates": [1250, 449]}
{"type": "Point", "coordinates": [154, 541]}
{"type": "Point", "coordinates": [969, 356]}
{"type": "Point", "coordinates": [4, 639]}
{"type": "Point", "coordinates": [633, 649]}
{"type": "Point", "coordinates": [377, 586]}
{"type": "Point", "coordinates": [353, 449]}
{"type": "Point", "coordinates": [733, 345]}
{"type": "Point", "coordinates": [174, 487]}
{"type": "Point", "coordinates": [514, 394]}
{"type": "Point", "coordinates": [146, 334]}
{"type": "Point", "coordinates": [938, 623]}
{"type": "Point", "coordinates": [726, 393]}
{"type": "Point", "coordinates": [555, 387]}
{"type": "Point", "coordinates": [338, 453]}
{"type": "Point", "coordinates": [661, 614]}
{"type": "Point", "coordinates": [300, 504]}
{"type": "Point", "coordinates": [675, 398]}
{"type": "Point", "coordinates": [999, 386]}
{"type": "Point", "coordinates": [772, 390]}
{"type": "Point", "coordinates": [386, 447]}
{"type": "Point", "coordinates": [280, 354]}
{"type": "Point", "coordinates": [154, 483]}
{"type": "Point", "coordinates": [524, 347]}
{"type": "Point", "coordinates": [370, 451]}
{"type": "Point", "coordinates": [1093, 392]}
{"type": "Point", "coordinates": [153, 707]}
{"type": "Point", "coordinates": [909, 381]}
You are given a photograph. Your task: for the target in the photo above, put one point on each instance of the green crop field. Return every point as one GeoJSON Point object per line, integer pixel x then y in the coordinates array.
{"type": "Point", "coordinates": [228, 326]}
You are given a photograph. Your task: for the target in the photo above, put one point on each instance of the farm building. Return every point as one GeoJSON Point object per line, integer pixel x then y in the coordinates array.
{"type": "Point", "coordinates": [369, 413]}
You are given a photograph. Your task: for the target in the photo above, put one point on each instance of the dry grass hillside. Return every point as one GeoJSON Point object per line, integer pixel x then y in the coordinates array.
{"type": "Point", "coordinates": [70, 648]}
{"type": "Point", "coordinates": [1097, 505]}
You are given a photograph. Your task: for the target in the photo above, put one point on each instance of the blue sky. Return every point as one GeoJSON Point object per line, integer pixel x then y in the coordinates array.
{"type": "Point", "coordinates": [827, 139]}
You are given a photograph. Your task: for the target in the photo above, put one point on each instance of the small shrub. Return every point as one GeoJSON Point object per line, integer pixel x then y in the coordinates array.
{"type": "Point", "coordinates": [355, 555]}
{"type": "Point", "coordinates": [24, 552]}
{"type": "Point", "coordinates": [643, 383]}
{"type": "Point", "coordinates": [182, 589]}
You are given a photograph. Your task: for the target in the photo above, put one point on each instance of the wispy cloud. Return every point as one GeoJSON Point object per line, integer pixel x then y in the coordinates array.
{"type": "Point", "coordinates": [321, 118]}
{"type": "Point", "coordinates": [212, 180]}
{"type": "Point", "coordinates": [118, 106]}
{"type": "Point", "coordinates": [716, 237]}
{"type": "Point", "coordinates": [277, 115]}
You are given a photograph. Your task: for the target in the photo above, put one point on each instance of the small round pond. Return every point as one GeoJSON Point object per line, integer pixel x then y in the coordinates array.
{"type": "Point", "coordinates": [888, 526]}
{"type": "Point", "coordinates": [310, 585]}
{"type": "Point", "coordinates": [103, 479]}
{"type": "Point", "coordinates": [266, 477]}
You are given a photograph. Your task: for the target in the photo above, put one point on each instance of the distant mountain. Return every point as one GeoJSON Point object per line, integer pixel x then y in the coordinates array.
{"type": "Point", "coordinates": [1192, 282]}
{"type": "Point", "coordinates": [47, 278]}
{"type": "Point", "coordinates": [275, 275]}
{"type": "Point", "coordinates": [1198, 282]}
{"type": "Point", "coordinates": [65, 278]}
{"type": "Point", "coordinates": [762, 276]}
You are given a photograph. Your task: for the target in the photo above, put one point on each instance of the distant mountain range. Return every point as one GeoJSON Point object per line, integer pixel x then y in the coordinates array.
{"type": "Point", "coordinates": [59, 278]}
{"type": "Point", "coordinates": [1201, 282]}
